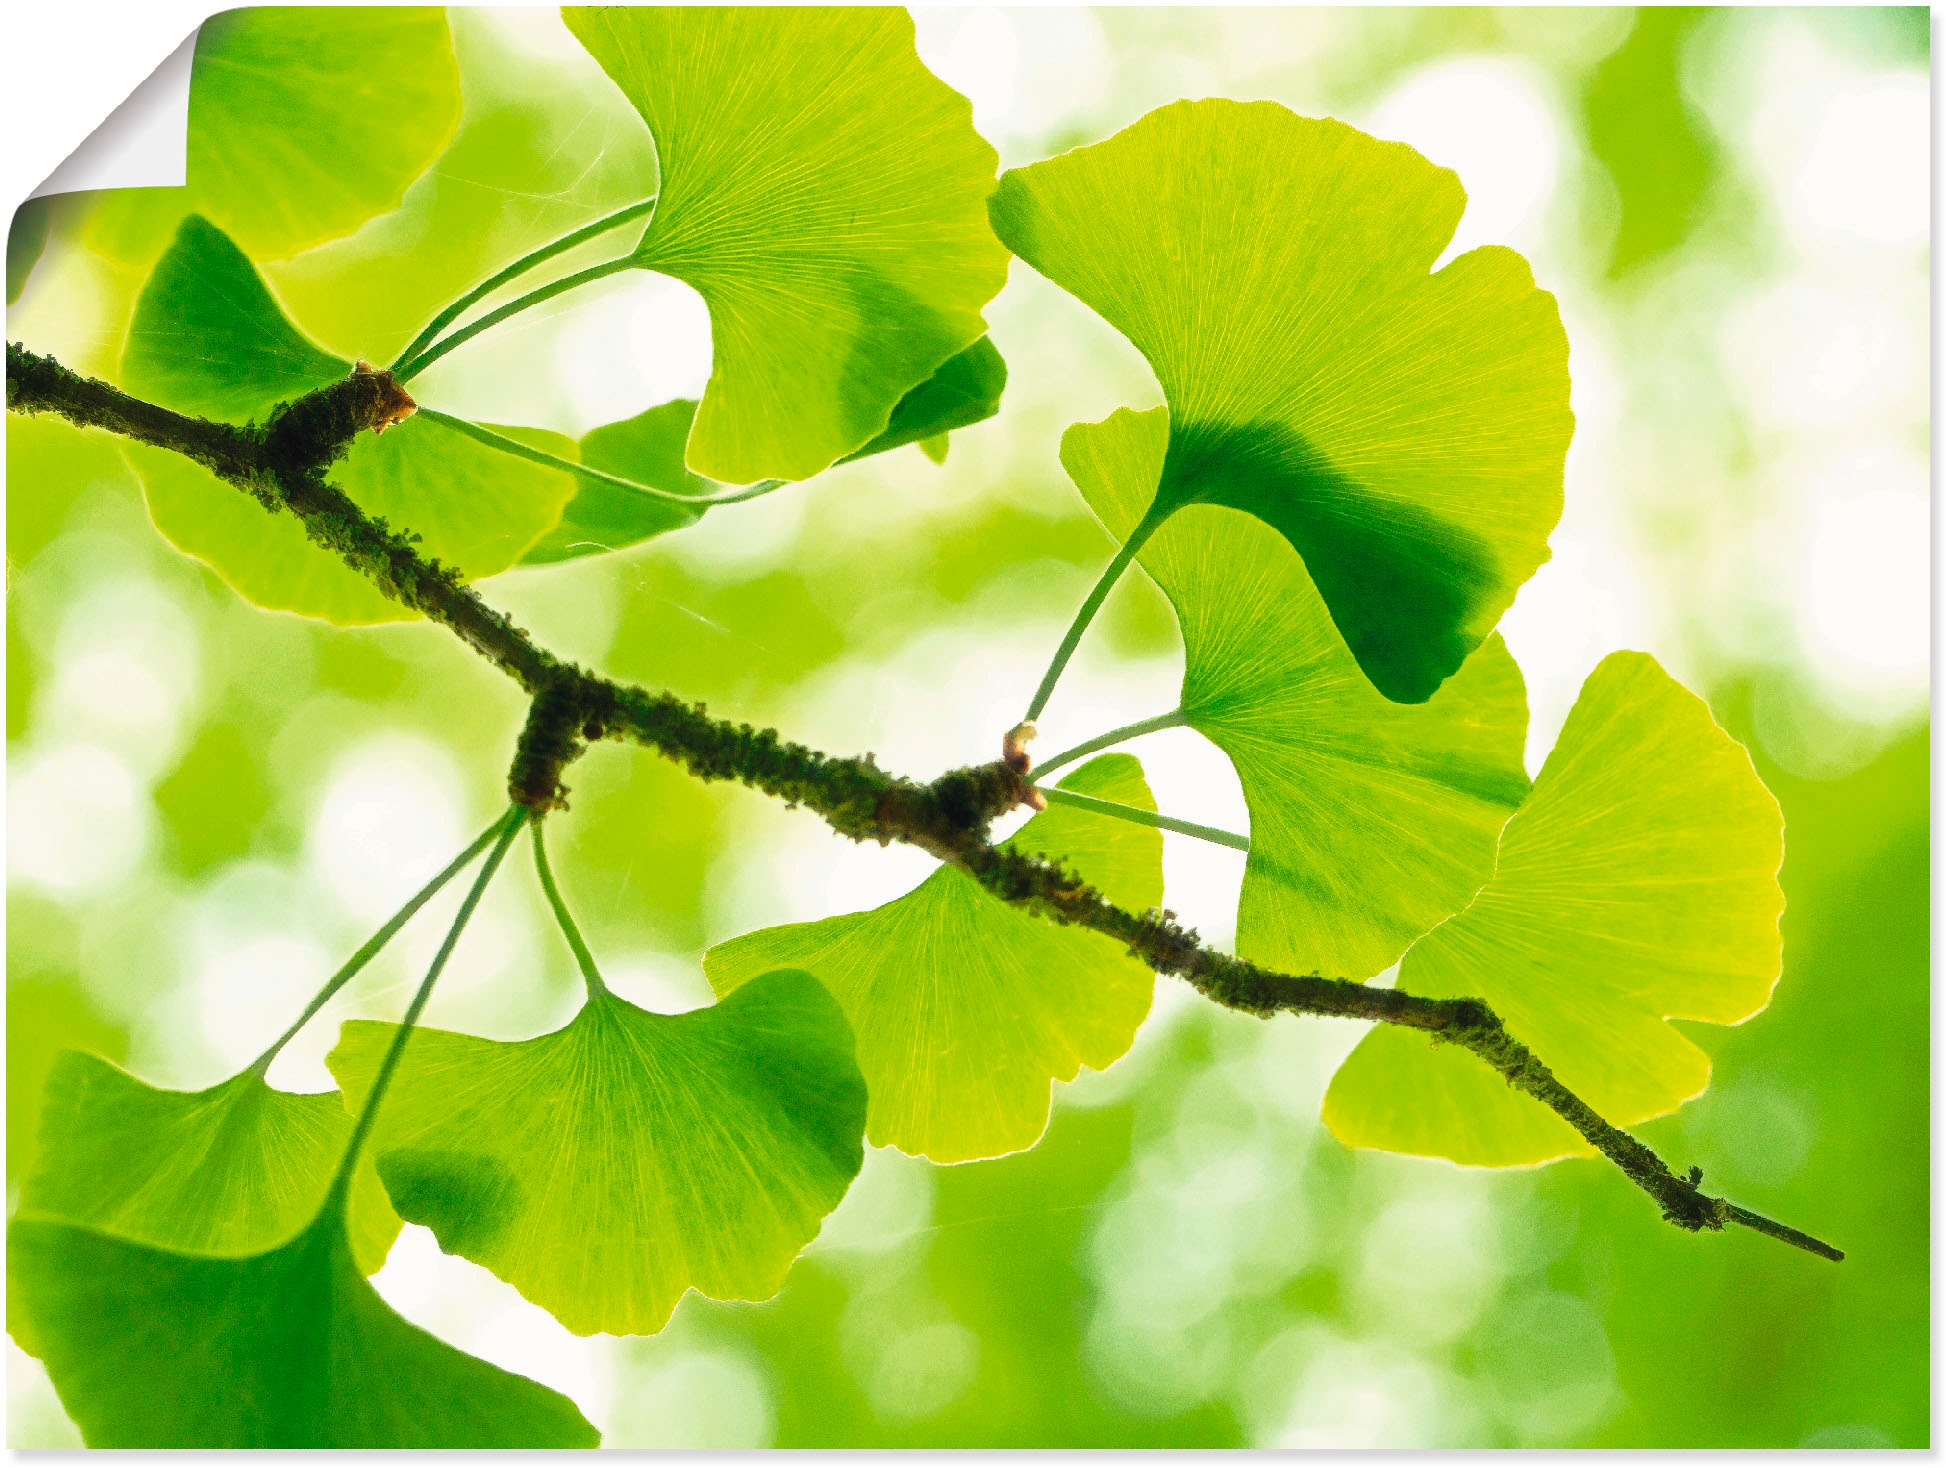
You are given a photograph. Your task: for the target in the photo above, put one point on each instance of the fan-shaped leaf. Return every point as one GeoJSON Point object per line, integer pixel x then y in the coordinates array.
{"type": "Point", "coordinates": [606, 1168]}
{"type": "Point", "coordinates": [1370, 821]}
{"type": "Point", "coordinates": [235, 1169]}
{"type": "Point", "coordinates": [1404, 430]}
{"type": "Point", "coordinates": [966, 1008]}
{"type": "Point", "coordinates": [26, 238]}
{"type": "Point", "coordinates": [826, 195]}
{"type": "Point", "coordinates": [606, 517]}
{"type": "Point", "coordinates": [648, 448]}
{"type": "Point", "coordinates": [208, 338]}
{"type": "Point", "coordinates": [289, 1348]}
{"type": "Point", "coordinates": [965, 391]}
{"type": "Point", "coordinates": [1638, 882]}
{"type": "Point", "coordinates": [305, 121]}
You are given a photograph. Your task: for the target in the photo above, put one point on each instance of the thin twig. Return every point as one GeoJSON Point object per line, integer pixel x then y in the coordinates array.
{"type": "Point", "coordinates": [948, 817]}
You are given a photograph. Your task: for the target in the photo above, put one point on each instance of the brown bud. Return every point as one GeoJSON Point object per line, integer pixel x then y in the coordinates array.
{"type": "Point", "coordinates": [1013, 749]}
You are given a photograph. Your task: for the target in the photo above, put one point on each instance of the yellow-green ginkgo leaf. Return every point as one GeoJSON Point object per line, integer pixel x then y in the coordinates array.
{"type": "Point", "coordinates": [1370, 821]}
{"type": "Point", "coordinates": [208, 338]}
{"type": "Point", "coordinates": [1637, 884]}
{"type": "Point", "coordinates": [1403, 428]}
{"type": "Point", "coordinates": [287, 1348]}
{"type": "Point", "coordinates": [967, 1009]}
{"type": "Point", "coordinates": [826, 195]}
{"type": "Point", "coordinates": [604, 1169]}
{"type": "Point", "coordinates": [235, 1169]}
{"type": "Point", "coordinates": [306, 121]}
{"type": "Point", "coordinates": [648, 448]}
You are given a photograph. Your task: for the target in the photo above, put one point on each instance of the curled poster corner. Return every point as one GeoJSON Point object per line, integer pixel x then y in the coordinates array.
{"type": "Point", "coordinates": [143, 143]}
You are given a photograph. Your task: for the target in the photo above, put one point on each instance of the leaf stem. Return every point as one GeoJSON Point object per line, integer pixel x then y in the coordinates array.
{"type": "Point", "coordinates": [1174, 719]}
{"type": "Point", "coordinates": [504, 832]}
{"type": "Point", "coordinates": [374, 944]}
{"type": "Point", "coordinates": [1140, 817]}
{"type": "Point", "coordinates": [1136, 540]}
{"type": "Point", "coordinates": [518, 268]}
{"type": "Point", "coordinates": [589, 973]}
{"type": "Point", "coordinates": [411, 367]}
{"type": "Point", "coordinates": [519, 450]}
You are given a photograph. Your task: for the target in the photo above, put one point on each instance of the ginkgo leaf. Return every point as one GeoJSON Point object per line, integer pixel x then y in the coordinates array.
{"type": "Point", "coordinates": [26, 239]}
{"type": "Point", "coordinates": [1403, 428]}
{"type": "Point", "coordinates": [234, 1169]}
{"type": "Point", "coordinates": [304, 125]}
{"type": "Point", "coordinates": [604, 1169]}
{"type": "Point", "coordinates": [288, 1348]}
{"type": "Point", "coordinates": [1638, 883]}
{"type": "Point", "coordinates": [967, 1009]}
{"type": "Point", "coordinates": [606, 517]}
{"type": "Point", "coordinates": [826, 195]}
{"type": "Point", "coordinates": [306, 121]}
{"type": "Point", "coordinates": [965, 391]}
{"type": "Point", "coordinates": [648, 448]}
{"type": "Point", "coordinates": [208, 338]}
{"type": "Point", "coordinates": [1370, 821]}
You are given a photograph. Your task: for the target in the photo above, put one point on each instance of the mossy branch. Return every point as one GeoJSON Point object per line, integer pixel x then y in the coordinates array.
{"type": "Point", "coordinates": [949, 817]}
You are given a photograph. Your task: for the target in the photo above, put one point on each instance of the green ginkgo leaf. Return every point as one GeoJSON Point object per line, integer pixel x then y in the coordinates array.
{"type": "Point", "coordinates": [26, 239]}
{"type": "Point", "coordinates": [1370, 821]}
{"type": "Point", "coordinates": [607, 517]}
{"type": "Point", "coordinates": [967, 1009]}
{"type": "Point", "coordinates": [965, 391]}
{"type": "Point", "coordinates": [288, 1348]}
{"type": "Point", "coordinates": [604, 1169]}
{"type": "Point", "coordinates": [1403, 428]}
{"type": "Point", "coordinates": [235, 1169]}
{"type": "Point", "coordinates": [1637, 884]}
{"type": "Point", "coordinates": [826, 195]}
{"type": "Point", "coordinates": [648, 448]}
{"type": "Point", "coordinates": [208, 338]}
{"type": "Point", "coordinates": [304, 124]}
{"type": "Point", "coordinates": [306, 121]}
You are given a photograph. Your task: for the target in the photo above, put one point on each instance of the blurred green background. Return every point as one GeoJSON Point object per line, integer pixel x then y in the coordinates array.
{"type": "Point", "coordinates": [209, 805]}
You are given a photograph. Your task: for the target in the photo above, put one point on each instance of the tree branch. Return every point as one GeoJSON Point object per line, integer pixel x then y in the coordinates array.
{"type": "Point", "coordinates": [949, 817]}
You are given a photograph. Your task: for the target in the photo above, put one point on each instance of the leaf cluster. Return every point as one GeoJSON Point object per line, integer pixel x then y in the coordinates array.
{"type": "Point", "coordinates": [1358, 464]}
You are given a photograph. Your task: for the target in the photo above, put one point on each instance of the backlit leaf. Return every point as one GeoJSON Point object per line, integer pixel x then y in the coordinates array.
{"type": "Point", "coordinates": [208, 338]}
{"type": "Point", "coordinates": [26, 238]}
{"type": "Point", "coordinates": [235, 1169]}
{"type": "Point", "coordinates": [606, 517]}
{"type": "Point", "coordinates": [606, 1168]}
{"type": "Point", "coordinates": [648, 448]}
{"type": "Point", "coordinates": [965, 391]}
{"type": "Point", "coordinates": [305, 121]}
{"type": "Point", "coordinates": [1370, 821]}
{"type": "Point", "coordinates": [289, 1348]}
{"type": "Point", "coordinates": [1638, 883]}
{"type": "Point", "coordinates": [826, 196]}
{"type": "Point", "coordinates": [966, 1009]}
{"type": "Point", "coordinates": [1404, 429]}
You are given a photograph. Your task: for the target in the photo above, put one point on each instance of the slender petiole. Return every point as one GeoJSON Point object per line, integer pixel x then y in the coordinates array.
{"type": "Point", "coordinates": [412, 366]}
{"type": "Point", "coordinates": [1140, 817]}
{"type": "Point", "coordinates": [519, 450]}
{"type": "Point", "coordinates": [374, 944]}
{"type": "Point", "coordinates": [1138, 537]}
{"type": "Point", "coordinates": [1174, 719]}
{"type": "Point", "coordinates": [504, 832]}
{"type": "Point", "coordinates": [519, 268]}
{"type": "Point", "coordinates": [589, 973]}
